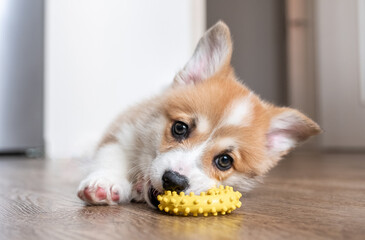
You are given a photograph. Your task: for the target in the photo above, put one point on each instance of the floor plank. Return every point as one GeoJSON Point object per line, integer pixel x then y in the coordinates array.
{"type": "Point", "coordinates": [308, 196]}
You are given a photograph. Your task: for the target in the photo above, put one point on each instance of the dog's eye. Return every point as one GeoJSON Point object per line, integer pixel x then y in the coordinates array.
{"type": "Point", "coordinates": [180, 130]}
{"type": "Point", "coordinates": [223, 162]}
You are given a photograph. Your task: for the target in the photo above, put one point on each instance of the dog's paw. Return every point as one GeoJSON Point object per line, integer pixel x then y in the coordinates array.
{"type": "Point", "coordinates": [102, 190]}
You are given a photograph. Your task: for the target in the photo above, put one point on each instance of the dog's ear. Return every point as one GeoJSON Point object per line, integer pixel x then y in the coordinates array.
{"type": "Point", "coordinates": [212, 53]}
{"type": "Point", "coordinates": [288, 127]}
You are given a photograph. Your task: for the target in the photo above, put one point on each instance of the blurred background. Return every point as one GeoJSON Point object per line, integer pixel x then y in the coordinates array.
{"type": "Point", "coordinates": [67, 68]}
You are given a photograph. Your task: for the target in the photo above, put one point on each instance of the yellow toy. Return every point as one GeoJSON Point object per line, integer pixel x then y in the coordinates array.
{"type": "Point", "coordinates": [222, 199]}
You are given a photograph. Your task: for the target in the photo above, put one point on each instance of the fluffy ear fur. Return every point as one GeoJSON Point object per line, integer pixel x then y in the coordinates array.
{"type": "Point", "coordinates": [288, 127]}
{"type": "Point", "coordinates": [213, 51]}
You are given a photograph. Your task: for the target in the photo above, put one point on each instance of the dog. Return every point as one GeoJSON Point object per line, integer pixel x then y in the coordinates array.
{"type": "Point", "coordinates": [205, 129]}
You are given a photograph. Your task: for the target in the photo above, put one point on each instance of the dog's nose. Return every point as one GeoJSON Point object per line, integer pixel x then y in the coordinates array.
{"type": "Point", "coordinates": [174, 181]}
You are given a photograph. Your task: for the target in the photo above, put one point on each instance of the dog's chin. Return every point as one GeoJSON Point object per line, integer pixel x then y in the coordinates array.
{"type": "Point", "coordinates": [152, 197]}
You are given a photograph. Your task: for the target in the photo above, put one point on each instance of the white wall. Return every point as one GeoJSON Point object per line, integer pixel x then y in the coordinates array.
{"type": "Point", "coordinates": [341, 112]}
{"type": "Point", "coordinates": [361, 13]}
{"type": "Point", "coordinates": [102, 56]}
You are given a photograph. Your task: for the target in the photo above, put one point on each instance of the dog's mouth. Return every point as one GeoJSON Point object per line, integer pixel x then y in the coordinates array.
{"type": "Point", "coordinates": [152, 195]}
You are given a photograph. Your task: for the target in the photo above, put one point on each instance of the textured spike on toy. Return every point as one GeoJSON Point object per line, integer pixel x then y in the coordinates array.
{"type": "Point", "coordinates": [216, 200]}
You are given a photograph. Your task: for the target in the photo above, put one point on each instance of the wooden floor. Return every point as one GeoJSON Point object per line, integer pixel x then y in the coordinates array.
{"type": "Point", "coordinates": [308, 196]}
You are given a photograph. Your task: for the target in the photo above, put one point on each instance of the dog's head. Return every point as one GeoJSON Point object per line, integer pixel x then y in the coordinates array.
{"type": "Point", "coordinates": [217, 130]}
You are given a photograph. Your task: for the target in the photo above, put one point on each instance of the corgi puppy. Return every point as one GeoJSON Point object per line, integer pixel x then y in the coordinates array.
{"type": "Point", "coordinates": [205, 129]}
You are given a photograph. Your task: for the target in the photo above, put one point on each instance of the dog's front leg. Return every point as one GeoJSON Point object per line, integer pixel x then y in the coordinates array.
{"type": "Point", "coordinates": [107, 182]}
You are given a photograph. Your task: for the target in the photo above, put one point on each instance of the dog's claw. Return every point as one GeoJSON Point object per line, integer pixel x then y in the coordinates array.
{"type": "Point", "coordinates": [115, 196]}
